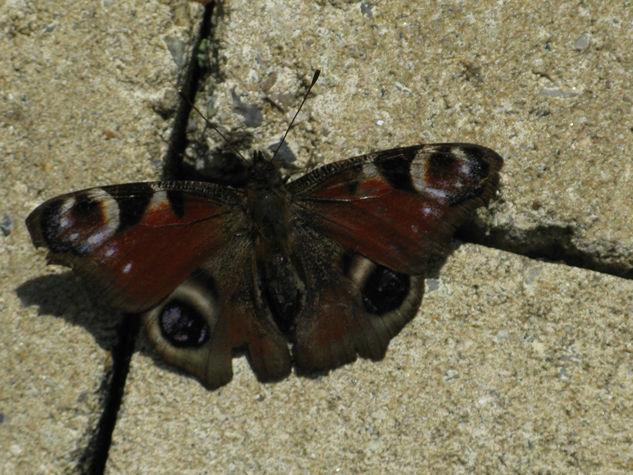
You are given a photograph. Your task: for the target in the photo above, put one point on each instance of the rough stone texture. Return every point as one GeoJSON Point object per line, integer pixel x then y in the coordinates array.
{"type": "Point", "coordinates": [546, 86]}
{"type": "Point", "coordinates": [511, 364]}
{"type": "Point", "coordinates": [79, 81]}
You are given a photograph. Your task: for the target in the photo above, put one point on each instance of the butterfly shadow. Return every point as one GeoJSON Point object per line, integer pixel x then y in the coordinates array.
{"type": "Point", "coordinates": [64, 296]}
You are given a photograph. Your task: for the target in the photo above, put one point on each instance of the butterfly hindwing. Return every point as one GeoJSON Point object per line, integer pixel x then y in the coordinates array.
{"type": "Point", "coordinates": [214, 313]}
{"type": "Point", "coordinates": [356, 305]}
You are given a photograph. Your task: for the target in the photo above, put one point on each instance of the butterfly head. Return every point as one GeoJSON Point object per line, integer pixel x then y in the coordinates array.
{"type": "Point", "coordinates": [265, 171]}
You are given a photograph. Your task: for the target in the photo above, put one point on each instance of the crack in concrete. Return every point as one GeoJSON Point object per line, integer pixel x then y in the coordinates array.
{"type": "Point", "coordinates": [95, 455]}
{"type": "Point", "coordinates": [553, 243]}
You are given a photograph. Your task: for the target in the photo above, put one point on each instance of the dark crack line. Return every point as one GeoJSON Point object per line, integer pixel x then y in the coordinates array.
{"type": "Point", "coordinates": [95, 455]}
{"type": "Point", "coordinates": [549, 243]}
{"type": "Point", "coordinates": [172, 163]}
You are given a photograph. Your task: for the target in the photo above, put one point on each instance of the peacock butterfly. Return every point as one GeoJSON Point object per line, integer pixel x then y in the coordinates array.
{"type": "Point", "coordinates": [331, 263]}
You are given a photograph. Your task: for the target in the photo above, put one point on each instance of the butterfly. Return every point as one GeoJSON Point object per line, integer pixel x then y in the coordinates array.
{"type": "Point", "coordinates": [309, 272]}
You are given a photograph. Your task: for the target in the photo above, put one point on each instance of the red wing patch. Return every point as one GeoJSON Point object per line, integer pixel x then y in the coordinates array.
{"type": "Point", "coordinates": [135, 243]}
{"type": "Point", "coordinates": [400, 207]}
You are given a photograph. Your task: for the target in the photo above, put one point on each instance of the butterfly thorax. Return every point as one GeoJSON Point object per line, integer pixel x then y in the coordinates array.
{"type": "Point", "coordinates": [268, 204]}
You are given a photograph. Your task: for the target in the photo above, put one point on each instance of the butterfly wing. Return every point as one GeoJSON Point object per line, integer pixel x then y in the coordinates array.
{"type": "Point", "coordinates": [178, 252]}
{"type": "Point", "coordinates": [216, 311]}
{"type": "Point", "coordinates": [355, 306]}
{"type": "Point", "coordinates": [385, 217]}
{"type": "Point", "coordinates": [398, 207]}
{"type": "Point", "coordinates": [136, 242]}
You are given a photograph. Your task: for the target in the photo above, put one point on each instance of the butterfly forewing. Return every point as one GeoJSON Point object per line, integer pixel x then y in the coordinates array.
{"type": "Point", "coordinates": [398, 207]}
{"type": "Point", "coordinates": [136, 242]}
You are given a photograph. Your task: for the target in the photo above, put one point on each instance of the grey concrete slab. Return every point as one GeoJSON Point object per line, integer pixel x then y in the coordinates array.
{"type": "Point", "coordinates": [511, 364]}
{"type": "Point", "coordinates": [80, 85]}
{"type": "Point", "coordinates": [546, 86]}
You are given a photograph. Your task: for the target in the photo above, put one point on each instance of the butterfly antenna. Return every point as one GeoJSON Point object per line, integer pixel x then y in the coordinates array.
{"type": "Point", "coordinates": [305, 96]}
{"type": "Point", "coordinates": [210, 125]}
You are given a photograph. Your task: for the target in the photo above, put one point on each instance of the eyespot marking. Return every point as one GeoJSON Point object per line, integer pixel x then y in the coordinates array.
{"type": "Point", "coordinates": [437, 193]}
{"type": "Point", "coordinates": [369, 169]}
{"type": "Point", "coordinates": [158, 200]}
{"type": "Point", "coordinates": [418, 174]}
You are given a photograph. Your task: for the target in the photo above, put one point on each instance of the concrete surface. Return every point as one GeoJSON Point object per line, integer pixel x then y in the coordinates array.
{"type": "Point", "coordinates": [81, 82]}
{"type": "Point", "coordinates": [512, 364]}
